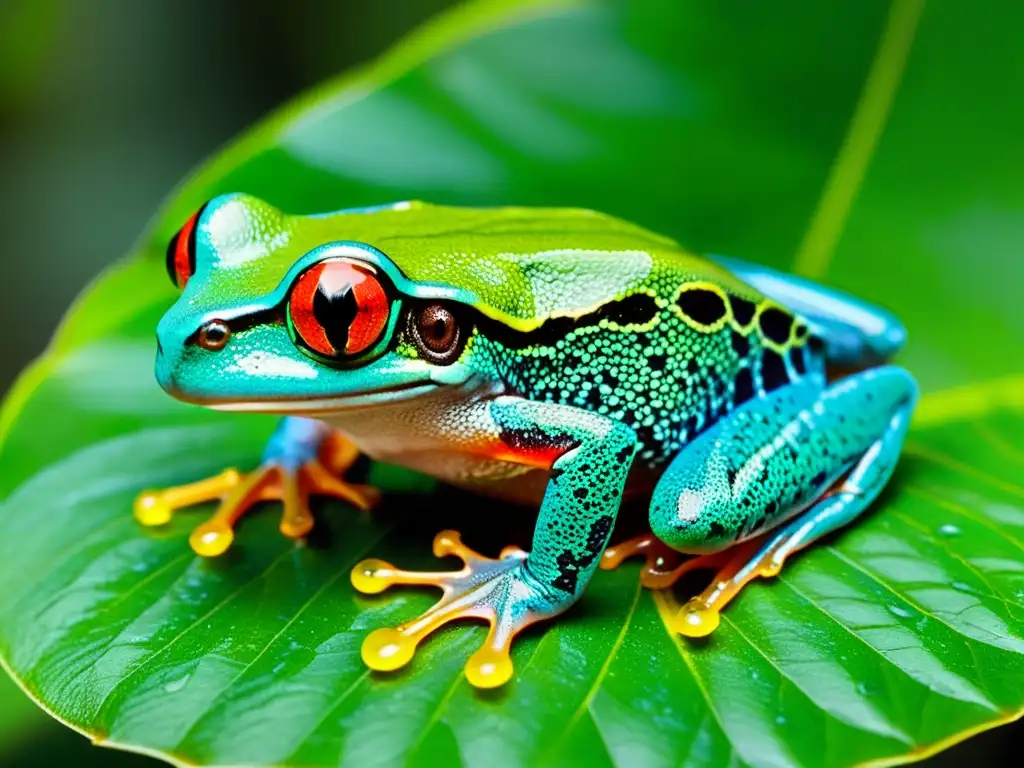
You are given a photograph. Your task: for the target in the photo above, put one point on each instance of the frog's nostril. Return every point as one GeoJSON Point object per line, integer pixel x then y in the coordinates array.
{"type": "Point", "coordinates": [214, 335]}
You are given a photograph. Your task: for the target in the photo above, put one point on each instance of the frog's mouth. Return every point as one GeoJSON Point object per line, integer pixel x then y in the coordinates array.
{"type": "Point", "coordinates": [328, 405]}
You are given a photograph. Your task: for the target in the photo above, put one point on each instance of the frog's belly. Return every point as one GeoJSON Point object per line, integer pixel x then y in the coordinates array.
{"type": "Point", "coordinates": [489, 477]}
{"type": "Point", "coordinates": [448, 440]}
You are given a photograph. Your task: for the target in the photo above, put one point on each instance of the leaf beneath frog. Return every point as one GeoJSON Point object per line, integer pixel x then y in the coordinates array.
{"type": "Point", "coordinates": [900, 635]}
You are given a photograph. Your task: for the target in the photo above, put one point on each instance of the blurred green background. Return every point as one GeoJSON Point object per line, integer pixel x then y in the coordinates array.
{"type": "Point", "coordinates": [104, 106]}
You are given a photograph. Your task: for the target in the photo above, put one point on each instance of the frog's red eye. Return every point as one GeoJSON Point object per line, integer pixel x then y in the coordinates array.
{"type": "Point", "coordinates": [338, 308]}
{"type": "Point", "coordinates": [181, 252]}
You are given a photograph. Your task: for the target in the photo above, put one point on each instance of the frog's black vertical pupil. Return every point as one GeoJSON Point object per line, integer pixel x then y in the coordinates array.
{"type": "Point", "coordinates": [335, 313]}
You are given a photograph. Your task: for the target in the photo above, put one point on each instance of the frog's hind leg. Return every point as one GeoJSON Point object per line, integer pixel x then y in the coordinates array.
{"type": "Point", "coordinates": [769, 467]}
{"type": "Point", "coordinates": [856, 334]}
{"type": "Point", "coordinates": [303, 458]}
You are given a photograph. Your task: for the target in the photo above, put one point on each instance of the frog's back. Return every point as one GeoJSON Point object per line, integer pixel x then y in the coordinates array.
{"type": "Point", "coordinates": [588, 310]}
{"type": "Point", "coordinates": [521, 266]}
{"type": "Point", "coordinates": [584, 309]}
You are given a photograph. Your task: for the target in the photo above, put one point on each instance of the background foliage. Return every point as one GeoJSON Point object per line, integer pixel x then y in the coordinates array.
{"type": "Point", "coordinates": [768, 125]}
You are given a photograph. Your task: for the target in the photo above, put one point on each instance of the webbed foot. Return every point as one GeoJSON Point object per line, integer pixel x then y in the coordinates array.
{"type": "Point", "coordinates": [700, 615]}
{"type": "Point", "coordinates": [500, 592]}
{"type": "Point", "coordinates": [302, 460]}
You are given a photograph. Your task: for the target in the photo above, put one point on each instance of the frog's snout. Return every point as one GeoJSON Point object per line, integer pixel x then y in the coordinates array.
{"type": "Point", "coordinates": [175, 367]}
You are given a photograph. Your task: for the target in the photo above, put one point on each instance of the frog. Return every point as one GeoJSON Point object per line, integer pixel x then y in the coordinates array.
{"type": "Point", "coordinates": [557, 358]}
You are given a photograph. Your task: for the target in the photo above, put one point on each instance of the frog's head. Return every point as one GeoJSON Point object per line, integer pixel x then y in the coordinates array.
{"type": "Point", "coordinates": [288, 314]}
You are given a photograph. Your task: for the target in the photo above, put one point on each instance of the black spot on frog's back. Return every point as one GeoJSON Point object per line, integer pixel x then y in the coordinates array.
{"type": "Point", "coordinates": [775, 324]}
{"type": "Point", "coordinates": [742, 310]}
{"type": "Point", "coordinates": [702, 305]}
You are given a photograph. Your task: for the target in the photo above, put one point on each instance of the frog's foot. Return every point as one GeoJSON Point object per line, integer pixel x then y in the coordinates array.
{"type": "Point", "coordinates": [499, 592]}
{"type": "Point", "coordinates": [739, 565]}
{"type": "Point", "coordinates": [290, 473]}
{"type": "Point", "coordinates": [700, 615]}
{"type": "Point", "coordinates": [664, 566]}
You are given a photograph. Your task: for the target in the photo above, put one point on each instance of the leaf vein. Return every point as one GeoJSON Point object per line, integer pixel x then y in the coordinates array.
{"type": "Point", "coordinates": [866, 126]}
{"type": "Point", "coordinates": [968, 641]}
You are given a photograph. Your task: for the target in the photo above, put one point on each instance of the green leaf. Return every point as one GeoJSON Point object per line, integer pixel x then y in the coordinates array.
{"type": "Point", "coordinates": [877, 146]}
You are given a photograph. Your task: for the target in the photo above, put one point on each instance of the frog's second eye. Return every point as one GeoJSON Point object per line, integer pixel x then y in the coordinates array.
{"type": "Point", "coordinates": [181, 252]}
{"type": "Point", "coordinates": [338, 308]}
{"type": "Point", "coordinates": [438, 332]}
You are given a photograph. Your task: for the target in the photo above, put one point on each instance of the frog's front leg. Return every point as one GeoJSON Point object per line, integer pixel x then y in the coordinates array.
{"type": "Point", "coordinates": [798, 464]}
{"type": "Point", "coordinates": [303, 458]}
{"type": "Point", "coordinates": [588, 457]}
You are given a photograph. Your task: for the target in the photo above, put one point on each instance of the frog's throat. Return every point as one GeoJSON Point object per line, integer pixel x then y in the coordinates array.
{"type": "Point", "coordinates": [328, 405]}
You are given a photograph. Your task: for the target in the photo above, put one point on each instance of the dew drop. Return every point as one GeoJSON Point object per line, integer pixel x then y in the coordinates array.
{"type": "Point", "coordinates": [177, 685]}
{"type": "Point", "coordinates": [780, 720]}
{"type": "Point", "coordinates": [960, 586]}
{"type": "Point", "coordinates": [949, 530]}
{"type": "Point", "coordinates": [896, 610]}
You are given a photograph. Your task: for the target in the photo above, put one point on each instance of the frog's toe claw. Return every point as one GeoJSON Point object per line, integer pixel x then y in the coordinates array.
{"type": "Point", "coordinates": [496, 591]}
{"type": "Point", "coordinates": [278, 479]}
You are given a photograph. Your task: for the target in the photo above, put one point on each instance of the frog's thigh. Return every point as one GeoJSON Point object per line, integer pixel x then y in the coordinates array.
{"type": "Point", "coordinates": [775, 457]}
{"type": "Point", "coordinates": [878, 402]}
{"type": "Point", "coordinates": [855, 332]}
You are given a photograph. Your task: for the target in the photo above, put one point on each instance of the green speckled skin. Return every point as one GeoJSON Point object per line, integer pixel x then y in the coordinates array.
{"type": "Point", "coordinates": [595, 352]}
